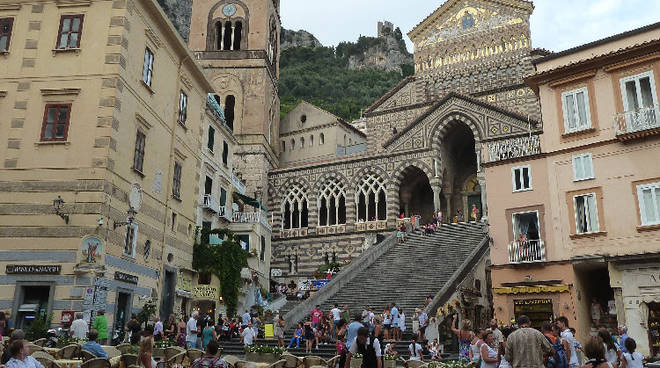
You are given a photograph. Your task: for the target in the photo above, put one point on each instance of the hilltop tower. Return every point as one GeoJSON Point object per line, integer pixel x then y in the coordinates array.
{"type": "Point", "coordinates": [237, 43]}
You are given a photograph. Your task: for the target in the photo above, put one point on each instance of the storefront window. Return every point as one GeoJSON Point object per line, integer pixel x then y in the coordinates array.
{"type": "Point", "coordinates": [538, 310]}
{"type": "Point", "coordinates": [654, 328]}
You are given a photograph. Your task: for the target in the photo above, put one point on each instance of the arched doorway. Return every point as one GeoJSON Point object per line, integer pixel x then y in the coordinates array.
{"type": "Point", "coordinates": [415, 194]}
{"type": "Point", "coordinates": [461, 187]}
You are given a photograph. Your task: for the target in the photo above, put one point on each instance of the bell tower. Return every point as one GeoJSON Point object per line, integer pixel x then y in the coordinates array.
{"type": "Point", "coordinates": [237, 43]}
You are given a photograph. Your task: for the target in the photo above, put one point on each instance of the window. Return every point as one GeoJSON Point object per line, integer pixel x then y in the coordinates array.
{"type": "Point", "coordinates": [56, 122]}
{"type": "Point", "coordinates": [204, 278]}
{"type": "Point", "coordinates": [176, 180]}
{"type": "Point", "coordinates": [586, 213]}
{"type": "Point", "coordinates": [229, 35]}
{"type": "Point", "coordinates": [183, 107]}
{"type": "Point", "coordinates": [575, 105]}
{"type": "Point", "coordinates": [283, 146]}
{"type": "Point", "coordinates": [332, 203]}
{"type": "Point", "coordinates": [293, 144]}
{"type": "Point", "coordinates": [638, 91]}
{"type": "Point", "coordinates": [173, 222]}
{"type": "Point", "coordinates": [371, 199]}
{"type": "Point", "coordinates": [211, 140]}
{"type": "Point", "coordinates": [230, 103]}
{"type": "Point", "coordinates": [262, 254]}
{"type": "Point", "coordinates": [225, 152]}
{"type": "Point", "coordinates": [6, 25]}
{"type": "Point", "coordinates": [583, 167]}
{"type": "Point", "coordinates": [322, 139]}
{"type": "Point", "coordinates": [206, 238]}
{"type": "Point", "coordinates": [208, 186]}
{"type": "Point", "coordinates": [223, 197]}
{"type": "Point", "coordinates": [138, 156]}
{"type": "Point", "coordinates": [244, 241]}
{"type": "Point", "coordinates": [649, 203]}
{"type": "Point", "coordinates": [70, 31]}
{"type": "Point", "coordinates": [294, 208]}
{"type": "Point", "coordinates": [130, 242]}
{"type": "Point", "coordinates": [148, 67]}
{"type": "Point", "coordinates": [311, 140]}
{"type": "Point", "coordinates": [522, 179]}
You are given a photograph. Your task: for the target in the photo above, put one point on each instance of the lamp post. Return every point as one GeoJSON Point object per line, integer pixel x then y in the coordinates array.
{"type": "Point", "coordinates": [57, 205]}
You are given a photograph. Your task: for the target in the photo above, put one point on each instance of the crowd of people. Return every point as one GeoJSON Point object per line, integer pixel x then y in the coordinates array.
{"type": "Point", "coordinates": [554, 346]}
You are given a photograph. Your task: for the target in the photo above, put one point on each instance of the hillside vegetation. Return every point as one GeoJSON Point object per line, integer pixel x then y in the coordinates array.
{"type": "Point", "coordinates": [321, 76]}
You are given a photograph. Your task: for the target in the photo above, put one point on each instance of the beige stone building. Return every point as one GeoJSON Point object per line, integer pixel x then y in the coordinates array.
{"type": "Point", "coordinates": [104, 108]}
{"type": "Point", "coordinates": [575, 228]}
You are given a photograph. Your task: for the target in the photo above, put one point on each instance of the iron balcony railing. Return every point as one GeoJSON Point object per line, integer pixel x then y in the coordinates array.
{"type": "Point", "coordinates": [225, 213]}
{"type": "Point", "coordinates": [238, 184]}
{"type": "Point", "coordinates": [639, 120]}
{"type": "Point", "coordinates": [251, 218]}
{"type": "Point", "coordinates": [211, 203]}
{"type": "Point", "coordinates": [527, 251]}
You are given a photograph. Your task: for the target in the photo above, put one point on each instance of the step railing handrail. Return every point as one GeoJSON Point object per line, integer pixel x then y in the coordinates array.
{"type": "Point", "coordinates": [347, 274]}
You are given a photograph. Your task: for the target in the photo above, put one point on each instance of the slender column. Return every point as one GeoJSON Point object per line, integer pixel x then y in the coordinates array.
{"type": "Point", "coordinates": [233, 27]}
{"type": "Point", "coordinates": [436, 197]}
{"type": "Point", "coordinates": [222, 36]}
{"type": "Point", "coordinates": [484, 198]}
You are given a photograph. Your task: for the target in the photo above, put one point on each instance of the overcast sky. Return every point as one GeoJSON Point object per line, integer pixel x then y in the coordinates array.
{"type": "Point", "coordinates": [556, 24]}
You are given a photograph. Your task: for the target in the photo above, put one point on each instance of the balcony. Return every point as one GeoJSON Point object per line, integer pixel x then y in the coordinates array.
{"type": "Point", "coordinates": [238, 184]}
{"type": "Point", "coordinates": [225, 213]}
{"type": "Point", "coordinates": [511, 148]}
{"type": "Point", "coordinates": [251, 218]}
{"type": "Point", "coordinates": [211, 203]}
{"type": "Point", "coordinates": [638, 123]}
{"type": "Point", "coordinates": [528, 251]}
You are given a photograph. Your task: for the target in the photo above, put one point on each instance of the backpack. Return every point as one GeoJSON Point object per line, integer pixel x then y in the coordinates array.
{"type": "Point", "coordinates": [559, 359]}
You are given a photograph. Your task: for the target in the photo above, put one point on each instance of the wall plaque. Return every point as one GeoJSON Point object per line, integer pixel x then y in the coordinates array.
{"type": "Point", "coordinates": [34, 269]}
{"type": "Point", "coordinates": [120, 276]}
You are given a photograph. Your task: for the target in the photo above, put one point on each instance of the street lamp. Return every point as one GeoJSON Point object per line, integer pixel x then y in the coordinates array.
{"type": "Point", "coordinates": [130, 220]}
{"type": "Point", "coordinates": [57, 205]}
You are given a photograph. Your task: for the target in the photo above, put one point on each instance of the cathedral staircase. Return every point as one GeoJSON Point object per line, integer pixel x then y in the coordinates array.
{"type": "Point", "coordinates": [402, 273]}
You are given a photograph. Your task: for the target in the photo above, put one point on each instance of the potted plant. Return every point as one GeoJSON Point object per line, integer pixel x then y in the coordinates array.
{"type": "Point", "coordinates": [389, 361]}
{"type": "Point", "coordinates": [263, 354]}
{"type": "Point", "coordinates": [356, 360]}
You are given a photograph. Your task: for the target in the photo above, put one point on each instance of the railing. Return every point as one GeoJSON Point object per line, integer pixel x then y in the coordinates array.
{"type": "Point", "coordinates": [639, 120]}
{"type": "Point", "coordinates": [526, 251]}
{"type": "Point", "coordinates": [514, 148]}
{"type": "Point", "coordinates": [225, 213]}
{"type": "Point", "coordinates": [251, 218]}
{"type": "Point", "coordinates": [238, 184]}
{"type": "Point", "coordinates": [211, 203]}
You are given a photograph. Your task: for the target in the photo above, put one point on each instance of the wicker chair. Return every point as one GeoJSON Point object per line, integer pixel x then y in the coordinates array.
{"type": "Point", "coordinates": [47, 362]}
{"type": "Point", "coordinates": [129, 359]}
{"type": "Point", "coordinates": [241, 364]}
{"type": "Point", "coordinates": [171, 351]}
{"type": "Point", "coordinates": [413, 363]}
{"type": "Point", "coordinates": [177, 359]}
{"type": "Point", "coordinates": [125, 348]}
{"type": "Point", "coordinates": [194, 354]}
{"type": "Point", "coordinates": [332, 363]}
{"type": "Point", "coordinates": [292, 361]}
{"type": "Point", "coordinates": [96, 363]}
{"type": "Point", "coordinates": [40, 341]}
{"type": "Point", "coordinates": [312, 360]}
{"type": "Point", "coordinates": [86, 355]}
{"type": "Point", "coordinates": [278, 364]}
{"type": "Point", "coordinates": [35, 347]}
{"type": "Point", "coordinates": [69, 352]}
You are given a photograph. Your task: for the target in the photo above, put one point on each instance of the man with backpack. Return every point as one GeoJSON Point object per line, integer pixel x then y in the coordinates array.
{"type": "Point", "coordinates": [558, 359]}
{"type": "Point", "coordinates": [568, 341]}
{"type": "Point", "coordinates": [526, 347]}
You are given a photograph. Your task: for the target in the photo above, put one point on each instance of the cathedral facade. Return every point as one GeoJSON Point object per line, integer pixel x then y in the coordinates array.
{"type": "Point", "coordinates": [419, 148]}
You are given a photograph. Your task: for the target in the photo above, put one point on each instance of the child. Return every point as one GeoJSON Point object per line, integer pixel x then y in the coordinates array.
{"type": "Point", "coordinates": [341, 350]}
{"type": "Point", "coordinates": [631, 359]}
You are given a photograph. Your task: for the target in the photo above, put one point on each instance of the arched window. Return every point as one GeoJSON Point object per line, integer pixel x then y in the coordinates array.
{"type": "Point", "coordinates": [283, 146]}
{"type": "Point", "coordinates": [322, 139]}
{"type": "Point", "coordinates": [302, 142]}
{"type": "Point", "coordinates": [293, 144]}
{"type": "Point", "coordinates": [311, 140]}
{"type": "Point", "coordinates": [227, 37]}
{"type": "Point", "coordinates": [294, 208]}
{"type": "Point", "coordinates": [332, 203]}
{"type": "Point", "coordinates": [230, 104]}
{"type": "Point", "coordinates": [238, 33]}
{"type": "Point", "coordinates": [371, 199]}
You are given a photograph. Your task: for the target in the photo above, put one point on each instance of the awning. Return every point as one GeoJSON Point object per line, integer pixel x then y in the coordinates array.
{"type": "Point", "coordinates": [532, 289]}
{"type": "Point", "coordinates": [249, 201]}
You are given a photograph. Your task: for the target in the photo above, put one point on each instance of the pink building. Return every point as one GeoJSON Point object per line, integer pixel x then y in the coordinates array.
{"type": "Point", "coordinates": [576, 228]}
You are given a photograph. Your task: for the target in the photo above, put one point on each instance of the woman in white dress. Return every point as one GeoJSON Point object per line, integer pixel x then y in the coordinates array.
{"type": "Point", "coordinates": [402, 322]}
{"type": "Point", "coordinates": [489, 357]}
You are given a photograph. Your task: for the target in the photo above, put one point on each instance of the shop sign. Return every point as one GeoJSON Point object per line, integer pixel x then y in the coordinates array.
{"type": "Point", "coordinates": [124, 277]}
{"type": "Point", "coordinates": [34, 269]}
{"type": "Point", "coordinates": [531, 289]}
{"type": "Point", "coordinates": [205, 292]}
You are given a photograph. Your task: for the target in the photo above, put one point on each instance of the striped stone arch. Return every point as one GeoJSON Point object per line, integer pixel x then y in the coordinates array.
{"type": "Point", "coordinates": [279, 194]}
{"type": "Point", "coordinates": [444, 125]}
{"type": "Point", "coordinates": [335, 179]}
{"type": "Point", "coordinates": [399, 172]}
{"type": "Point", "coordinates": [323, 178]}
{"type": "Point", "coordinates": [375, 169]}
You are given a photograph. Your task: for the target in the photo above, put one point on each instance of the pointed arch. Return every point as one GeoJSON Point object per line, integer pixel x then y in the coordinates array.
{"type": "Point", "coordinates": [294, 208]}
{"type": "Point", "coordinates": [371, 198]}
{"type": "Point", "coordinates": [331, 203]}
